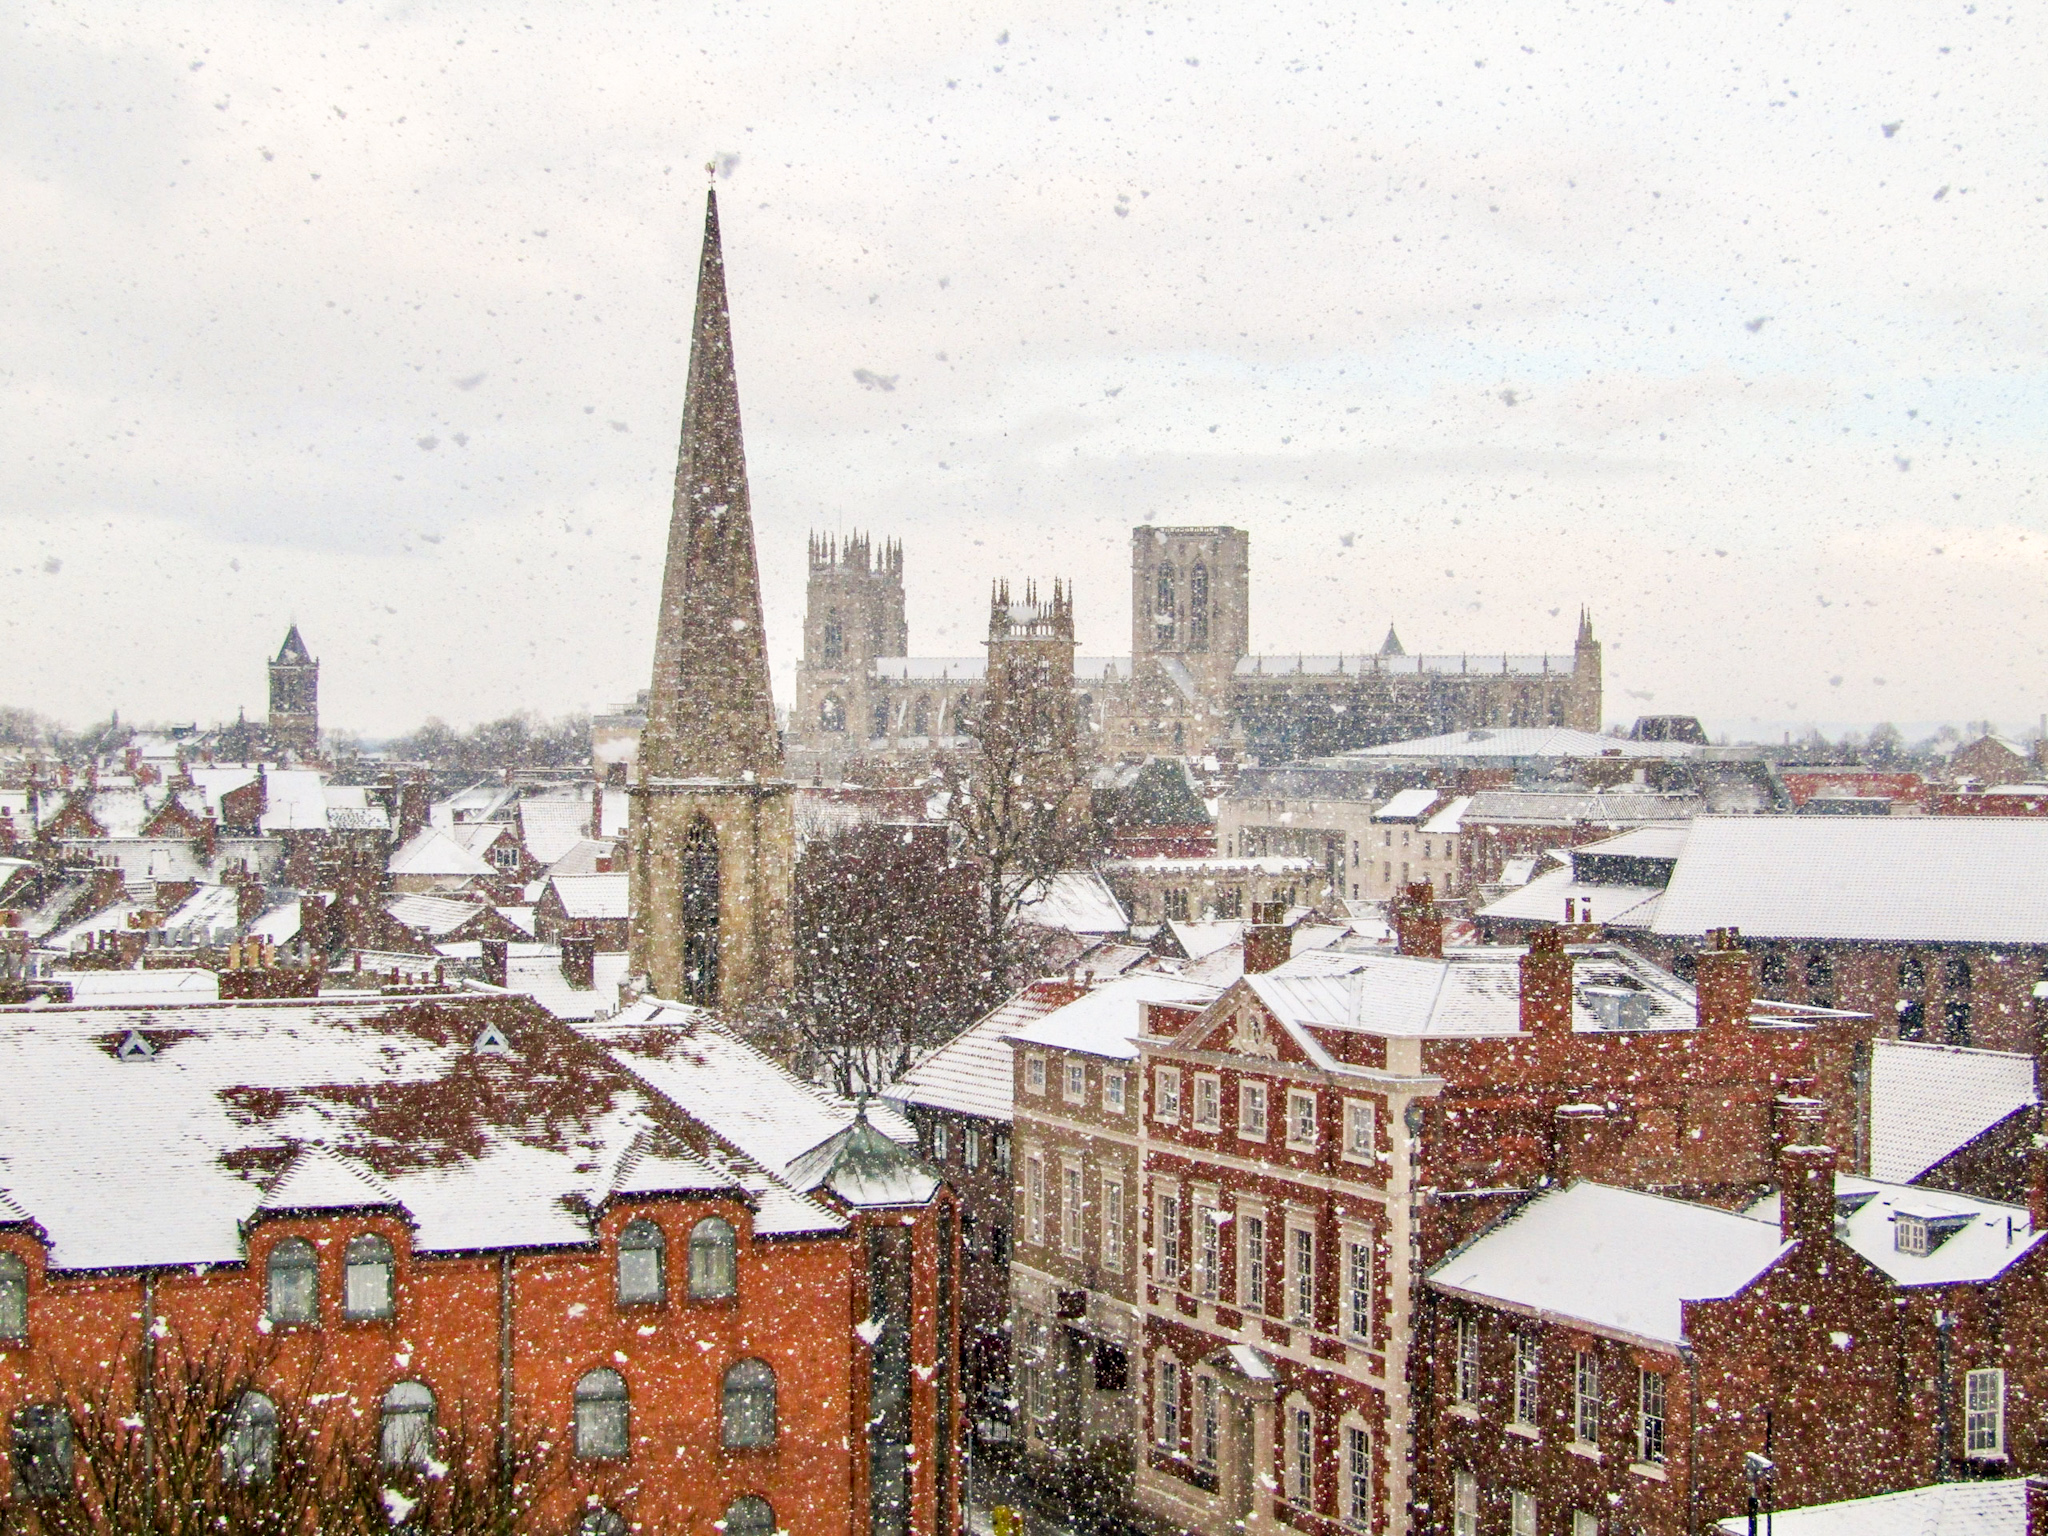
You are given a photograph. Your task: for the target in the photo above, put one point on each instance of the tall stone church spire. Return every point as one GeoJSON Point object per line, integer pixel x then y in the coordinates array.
{"type": "Point", "coordinates": [712, 833]}
{"type": "Point", "coordinates": [709, 711]}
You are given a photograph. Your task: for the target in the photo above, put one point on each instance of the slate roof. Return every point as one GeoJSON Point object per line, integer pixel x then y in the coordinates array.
{"type": "Point", "coordinates": [431, 915]}
{"type": "Point", "coordinates": [1542, 901]}
{"type": "Point", "coordinates": [1077, 901]}
{"type": "Point", "coordinates": [431, 851]}
{"type": "Point", "coordinates": [1554, 741]}
{"type": "Point", "coordinates": [1408, 805]}
{"type": "Point", "coordinates": [1896, 879]}
{"type": "Point", "coordinates": [553, 824]}
{"type": "Point", "coordinates": [1993, 1235]}
{"type": "Point", "coordinates": [1928, 1100]}
{"type": "Point", "coordinates": [1613, 1260]}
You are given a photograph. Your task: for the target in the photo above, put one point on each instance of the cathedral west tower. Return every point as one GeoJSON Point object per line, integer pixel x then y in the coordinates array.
{"type": "Point", "coordinates": [713, 828]}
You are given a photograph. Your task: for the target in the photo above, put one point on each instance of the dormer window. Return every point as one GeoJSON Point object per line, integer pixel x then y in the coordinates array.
{"type": "Point", "coordinates": [1921, 1232]}
{"type": "Point", "coordinates": [367, 1290]}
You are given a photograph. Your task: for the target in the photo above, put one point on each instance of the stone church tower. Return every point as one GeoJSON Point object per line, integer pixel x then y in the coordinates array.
{"type": "Point", "coordinates": [713, 829]}
{"type": "Point", "coordinates": [295, 698]}
{"type": "Point", "coordinates": [1030, 717]}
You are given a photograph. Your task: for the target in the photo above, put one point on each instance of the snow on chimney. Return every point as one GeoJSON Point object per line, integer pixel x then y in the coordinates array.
{"type": "Point", "coordinates": [1547, 984]}
{"type": "Point", "coordinates": [1724, 979]}
{"type": "Point", "coordinates": [1418, 925]}
{"type": "Point", "coordinates": [1269, 941]}
{"type": "Point", "coordinates": [1806, 1193]}
{"type": "Point", "coordinates": [494, 955]}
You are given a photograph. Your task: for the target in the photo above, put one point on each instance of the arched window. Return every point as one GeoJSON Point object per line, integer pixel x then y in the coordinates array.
{"type": "Point", "coordinates": [643, 1278]}
{"type": "Point", "coordinates": [749, 1404]}
{"type": "Point", "coordinates": [602, 1522]}
{"type": "Point", "coordinates": [42, 1451]}
{"type": "Point", "coordinates": [601, 1416]}
{"type": "Point", "coordinates": [749, 1516]}
{"type": "Point", "coordinates": [921, 717]}
{"type": "Point", "coordinates": [366, 1291]}
{"type": "Point", "coordinates": [1198, 608]}
{"type": "Point", "coordinates": [835, 637]}
{"type": "Point", "coordinates": [292, 1278]}
{"type": "Point", "coordinates": [700, 913]}
{"type": "Point", "coordinates": [248, 1454]}
{"type": "Point", "coordinates": [408, 1430]}
{"type": "Point", "coordinates": [1162, 607]}
{"type": "Point", "coordinates": [1955, 1001]}
{"type": "Point", "coordinates": [714, 1259]}
{"type": "Point", "coordinates": [881, 718]}
{"type": "Point", "coordinates": [832, 715]}
{"type": "Point", "coordinates": [1820, 978]}
{"type": "Point", "coordinates": [13, 1297]}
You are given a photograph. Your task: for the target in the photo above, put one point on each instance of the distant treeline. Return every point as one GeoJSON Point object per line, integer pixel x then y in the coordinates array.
{"type": "Point", "coordinates": [524, 740]}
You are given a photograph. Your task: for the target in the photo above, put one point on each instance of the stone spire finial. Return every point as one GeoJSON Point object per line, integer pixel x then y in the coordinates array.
{"type": "Point", "coordinates": [709, 711]}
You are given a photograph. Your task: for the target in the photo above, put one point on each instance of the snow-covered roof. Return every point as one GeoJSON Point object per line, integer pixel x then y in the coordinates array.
{"type": "Point", "coordinates": [1987, 1236]}
{"type": "Point", "coordinates": [971, 1074]}
{"type": "Point", "coordinates": [592, 896]}
{"type": "Point", "coordinates": [1199, 939]}
{"type": "Point", "coordinates": [1264, 864]}
{"type": "Point", "coordinates": [691, 1059]}
{"type": "Point", "coordinates": [1895, 879]}
{"type": "Point", "coordinates": [537, 973]}
{"type": "Point", "coordinates": [1994, 1508]}
{"type": "Point", "coordinates": [210, 913]}
{"type": "Point", "coordinates": [1555, 741]}
{"type": "Point", "coordinates": [1469, 992]}
{"type": "Point", "coordinates": [581, 857]}
{"type": "Point", "coordinates": [280, 924]}
{"type": "Point", "coordinates": [1928, 1100]}
{"type": "Point", "coordinates": [1109, 1020]}
{"type": "Point", "coordinates": [431, 851]}
{"type": "Point", "coordinates": [182, 985]}
{"type": "Point", "coordinates": [350, 808]}
{"type": "Point", "coordinates": [1664, 841]}
{"type": "Point", "coordinates": [1542, 901]}
{"type": "Point", "coordinates": [431, 915]}
{"type": "Point", "coordinates": [1612, 1260]}
{"type": "Point", "coordinates": [1567, 808]}
{"type": "Point", "coordinates": [1076, 901]}
{"type": "Point", "coordinates": [1451, 818]}
{"type": "Point", "coordinates": [553, 824]}
{"type": "Point", "coordinates": [162, 1160]}
{"type": "Point", "coordinates": [1408, 805]}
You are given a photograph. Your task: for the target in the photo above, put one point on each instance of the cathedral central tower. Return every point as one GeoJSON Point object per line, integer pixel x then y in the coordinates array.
{"type": "Point", "coordinates": [713, 828]}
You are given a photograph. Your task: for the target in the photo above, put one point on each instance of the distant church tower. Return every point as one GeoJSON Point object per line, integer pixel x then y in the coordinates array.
{"type": "Point", "coordinates": [295, 698]}
{"type": "Point", "coordinates": [853, 613]}
{"type": "Point", "coordinates": [1030, 715]}
{"type": "Point", "coordinates": [713, 827]}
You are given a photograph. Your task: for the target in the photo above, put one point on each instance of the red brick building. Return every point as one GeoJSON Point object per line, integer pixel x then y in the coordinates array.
{"type": "Point", "coordinates": [724, 1296]}
{"type": "Point", "coordinates": [1328, 1128]}
{"type": "Point", "coordinates": [1606, 1361]}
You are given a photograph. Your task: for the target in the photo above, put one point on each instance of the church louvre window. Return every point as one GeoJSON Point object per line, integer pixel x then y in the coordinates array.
{"type": "Point", "coordinates": [1955, 1002]}
{"type": "Point", "coordinates": [881, 718]}
{"type": "Point", "coordinates": [1198, 608]}
{"type": "Point", "coordinates": [700, 914]}
{"type": "Point", "coordinates": [1163, 607]}
{"type": "Point", "coordinates": [834, 645]}
{"type": "Point", "coordinates": [921, 717]}
{"type": "Point", "coordinates": [832, 715]}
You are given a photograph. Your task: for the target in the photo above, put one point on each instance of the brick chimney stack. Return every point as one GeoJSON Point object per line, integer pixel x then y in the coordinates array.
{"type": "Point", "coordinates": [2037, 1183]}
{"type": "Point", "coordinates": [494, 957]}
{"type": "Point", "coordinates": [2037, 1506]}
{"type": "Point", "coordinates": [1269, 941]}
{"type": "Point", "coordinates": [1547, 984]}
{"type": "Point", "coordinates": [579, 962]}
{"type": "Point", "coordinates": [1418, 925]}
{"type": "Point", "coordinates": [1725, 980]}
{"type": "Point", "coordinates": [1806, 1193]}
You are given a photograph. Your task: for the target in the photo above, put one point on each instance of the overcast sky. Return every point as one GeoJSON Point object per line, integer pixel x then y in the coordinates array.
{"type": "Point", "coordinates": [1725, 320]}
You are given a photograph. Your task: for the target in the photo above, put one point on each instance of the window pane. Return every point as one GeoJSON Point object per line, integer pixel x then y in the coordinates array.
{"type": "Point", "coordinates": [13, 1297]}
{"type": "Point", "coordinates": [602, 1429]}
{"type": "Point", "coordinates": [713, 1259]}
{"type": "Point", "coordinates": [641, 1280]}
{"type": "Point", "coordinates": [749, 1404]}
{"type": "Point", "coordinates": [293, 1282]}
{"type": "Point", "coordinates": [366, 1289]}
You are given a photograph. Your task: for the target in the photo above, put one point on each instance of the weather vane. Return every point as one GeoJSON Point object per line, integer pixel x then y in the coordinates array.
{"type": "Point", "coordinates": [711, 170]}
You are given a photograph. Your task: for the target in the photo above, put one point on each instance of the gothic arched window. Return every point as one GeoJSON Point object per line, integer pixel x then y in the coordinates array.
{"type": "Point", "coordinates": [1955, 1002]}
{"type": "Point", "coordinates": [700, 914]}
{"type": "Point", "coordinates": [921, 717]}
{"type": "Point", "coordinates": [835, 636]}
{"type": "Point", "coordinates": [1198, 607]}
{"type": "Point", "coordinates": [1162, 606]}
{"type": "Point", "coordinates": [881, 719]}
{"type": "Point", "coordinates": [832, 715]}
